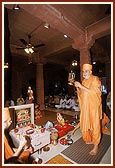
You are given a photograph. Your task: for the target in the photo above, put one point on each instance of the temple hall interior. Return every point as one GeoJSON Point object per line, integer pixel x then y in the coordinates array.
{"type": "Point", "coordinates": [45, 46]}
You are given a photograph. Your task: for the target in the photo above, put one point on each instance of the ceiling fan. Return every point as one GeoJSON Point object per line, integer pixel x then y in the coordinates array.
{"type": "Point", "coordinates": [29, 48]}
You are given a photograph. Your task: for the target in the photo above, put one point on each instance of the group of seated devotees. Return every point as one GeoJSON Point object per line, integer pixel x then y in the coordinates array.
{"type": "Point", "coordinates": [68, 103]}
{"type": "Point", "coordinates": [10, 152]}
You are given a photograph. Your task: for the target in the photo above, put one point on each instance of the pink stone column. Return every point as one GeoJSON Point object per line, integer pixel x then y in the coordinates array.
{"type": "Point", "coordinates": [40, 86]}
{"type": "Point", "coordinates": [83, 44]}
{"type": "Point", "coordinates": [84, 58]}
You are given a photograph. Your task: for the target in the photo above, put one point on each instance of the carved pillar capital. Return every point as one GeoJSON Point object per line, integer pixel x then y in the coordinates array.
{"type": "Point", "coordinates": [83, 42]}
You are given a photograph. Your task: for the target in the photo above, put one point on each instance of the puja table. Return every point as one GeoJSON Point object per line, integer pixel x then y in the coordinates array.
{"type": "Point", "coordinates": [38, 138]}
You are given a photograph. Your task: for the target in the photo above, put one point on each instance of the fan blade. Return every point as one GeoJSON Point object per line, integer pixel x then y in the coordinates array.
{"type": "Point", "coordinates": [23, 41]}
{"type": "Point", "coordinates": [20, 48]}
{"type": "Point", "coordinates": [39, 45]}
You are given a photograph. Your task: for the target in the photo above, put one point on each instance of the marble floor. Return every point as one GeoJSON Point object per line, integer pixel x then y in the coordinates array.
{"type": "Point", "coordinates": [54, 150]}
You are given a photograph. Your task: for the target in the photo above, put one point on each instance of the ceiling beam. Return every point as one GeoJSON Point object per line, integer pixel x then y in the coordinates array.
{"type": "Point", "coordinates": [100, 28]}
{"type": "Point", "coordinates": [93, 32]}
{"type": "Point", "coordinates": [50, 14]}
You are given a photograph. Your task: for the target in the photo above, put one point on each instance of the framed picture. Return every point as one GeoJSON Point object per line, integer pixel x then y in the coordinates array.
{"type": "Point", "coordinates": [22, 115]}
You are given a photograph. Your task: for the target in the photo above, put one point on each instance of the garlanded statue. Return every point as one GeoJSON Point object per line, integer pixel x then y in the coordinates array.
{"type": "Point", "coordinates": [30, 94]}
{"type": "Point", "coordinates": [60, 119]}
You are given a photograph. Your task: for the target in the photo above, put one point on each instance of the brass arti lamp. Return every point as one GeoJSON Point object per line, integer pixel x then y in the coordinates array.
{"type": "Point", "coordinates": [71, 78]}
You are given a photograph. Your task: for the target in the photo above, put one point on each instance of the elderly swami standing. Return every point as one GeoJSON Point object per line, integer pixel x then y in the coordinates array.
{"type": "Point", "coordinates": [89, 95]}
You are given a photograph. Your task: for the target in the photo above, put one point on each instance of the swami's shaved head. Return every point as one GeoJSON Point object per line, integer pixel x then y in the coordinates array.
{"type": "Point", "coordinates": [7, 118]}
{"type": "Point", "coordinates": [6, 113]}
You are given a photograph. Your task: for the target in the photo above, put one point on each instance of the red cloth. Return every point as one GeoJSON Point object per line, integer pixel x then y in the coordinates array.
{"type": "Point", "coordinates": [63, 130]}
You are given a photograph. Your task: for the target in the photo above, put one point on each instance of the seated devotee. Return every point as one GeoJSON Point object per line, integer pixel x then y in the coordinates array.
{"type": "Point", "coordinates": [8, 150]}
{"type": "Point", "coordinates": [108, 100]}
{"type": "Point", "coordinates": [76, 108]}
{"type": "Point", "coordinates": [12, 103]}
{"type": "Point", "coordinates": [56, 100]}
{"type": "Point", "coordinates": [27, 100]}
{"type": "Point", "coordinates": [20, 100]}
{"type": "Point", "coordinates": [71, 104]}
{"type": "Point", "coordinates": [62, 103]}
{"type": "Point", "coordinates": [9, 102]}
{"type": "Point", "coordinates": [51, 101]}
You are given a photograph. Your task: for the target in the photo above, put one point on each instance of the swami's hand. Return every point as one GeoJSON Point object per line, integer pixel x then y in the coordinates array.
{"type": "Point", "coordinates": [77, 84]}
{"type": "Point", "coordinates": [23, 142]}
{"type": "Point", "coordinates": [19, 149]}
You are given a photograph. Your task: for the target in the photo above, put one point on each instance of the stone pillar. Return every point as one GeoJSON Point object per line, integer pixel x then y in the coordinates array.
{"type": "Point", "coordinates": [40, 86]}
{"type": "Point", "coordinates": [84, 58]}
{"type": "Point", "coordinates": [83, 44]}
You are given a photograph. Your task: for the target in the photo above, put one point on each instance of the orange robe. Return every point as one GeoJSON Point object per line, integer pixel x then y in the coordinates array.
{"type": "Point", "coordinates": [8, 152]}
{"type": "Point", "coordinates": [105, 120]}
{"type": "Point", "coordinates": [90, 110]}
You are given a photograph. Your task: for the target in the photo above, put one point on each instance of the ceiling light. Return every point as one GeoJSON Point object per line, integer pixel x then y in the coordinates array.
{"type": "Point", "coordinates": [29, 50]}
{"type": "Point", "coordinates": [65, 36]}
{"type": "Point", "coordinates": [6, 65]}
{"type": "Point", "coordinates": [16, 7]}
{"type": "Point", "coordinates": [74, 63]}
{"type": "Point", "coordinates": [46, 25]}
{"type": "Point", "coordinates": [94, 62]}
